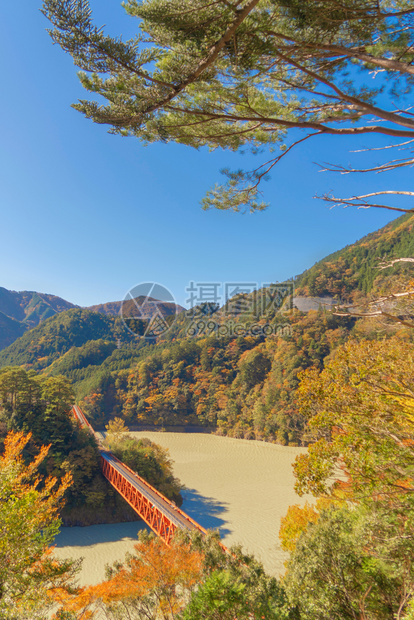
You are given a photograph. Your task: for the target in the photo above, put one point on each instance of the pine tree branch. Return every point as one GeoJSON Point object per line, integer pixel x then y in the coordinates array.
{"type": "Point", "coordinates": [203, 64]}
{"type": "Point", "coordinates": [368, 107]}
{"type": "Point", "coordinates": [354, 52]}
{"type": "Point", "coordinates": [281, 122]}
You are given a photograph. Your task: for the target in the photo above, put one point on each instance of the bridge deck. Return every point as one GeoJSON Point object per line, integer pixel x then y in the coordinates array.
{"type": "Point", "coordinates": [162, 515]}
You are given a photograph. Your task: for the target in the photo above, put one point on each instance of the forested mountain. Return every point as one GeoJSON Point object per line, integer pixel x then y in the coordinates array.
{"type": "Point", "coordinates": [20, 311]}
{"type": "Point", "coordinates": [355, 268]}
{"type": "Point", "coordinates": [47, 343]}
{"type": "Point", "coordinates": [31, 307]}
{"type": "Point", "coordinates": [10, 330]}
{"type": "Point", "coordinates": [240, 384]}
{"type": "Point", "coordinates": [23, 310]}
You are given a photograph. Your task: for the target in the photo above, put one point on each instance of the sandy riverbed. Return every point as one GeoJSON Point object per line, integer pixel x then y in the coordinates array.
{"type": "Point", "coordinates": [241, 487]}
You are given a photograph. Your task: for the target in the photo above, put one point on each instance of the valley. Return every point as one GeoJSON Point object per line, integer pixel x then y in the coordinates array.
{"type": "Point", "coordinates": [242, 488]}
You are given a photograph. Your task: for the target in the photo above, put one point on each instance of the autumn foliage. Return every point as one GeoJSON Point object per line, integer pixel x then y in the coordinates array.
{"type": "Point", "coordinates": [360, 410]}
{"type": "Point", "coordinates": [29, 520]}
{"type": "Point", "coordinates": [352, 556]}
{"type": "Point", "coordinates": [294, 523]}
{"type": "Point", "coordinates": [155, 582]}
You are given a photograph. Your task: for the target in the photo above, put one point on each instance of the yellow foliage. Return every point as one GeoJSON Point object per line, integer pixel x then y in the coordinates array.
{"type": "Point", "coordinates": [295, 523]}
{"type": "Point", "coordinates": [29, 519]}
{"type": "Point", "coordinates": [116, 426]}
{"type": "Point", "coordinates": [297, 520]}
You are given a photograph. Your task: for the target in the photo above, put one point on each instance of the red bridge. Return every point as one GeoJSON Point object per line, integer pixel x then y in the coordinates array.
{"type": "Point", "coordinates": [162, 515]}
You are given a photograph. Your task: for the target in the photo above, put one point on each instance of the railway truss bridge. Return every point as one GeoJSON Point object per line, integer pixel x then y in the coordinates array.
{"type": "Point", "coordinates": [162, 515]}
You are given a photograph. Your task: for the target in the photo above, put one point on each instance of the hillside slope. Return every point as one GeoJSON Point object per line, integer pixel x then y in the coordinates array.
{"type": "Point", "coordinates": [355, 268]}
{"type": "Point", "coordinates": [241, 385]}
{"type": "Point", "coordinates": [244, 386]}
{"type": "Point", "coordinates": [20, 311]}
{"type": "Point", "coordinates": [10, 330]}
{"type": "Point", "coordinates": [45, 343]}
{"type": "Point", "coordinates": [31, 307]}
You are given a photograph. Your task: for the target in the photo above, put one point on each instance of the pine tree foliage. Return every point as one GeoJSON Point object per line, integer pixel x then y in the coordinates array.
{"type": "Point", "coordinates": [245, 72]}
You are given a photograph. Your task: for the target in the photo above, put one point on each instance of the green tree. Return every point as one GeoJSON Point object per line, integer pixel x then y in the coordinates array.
{"type": "Point", "coordinates": [220, 597]}
{"type": "Point", "coordinates": [226, 74]}
{"type": "Point", "coordinates": [353, 563]}
{"type": "Point", "coordinates": [56, 424]}
{"type": "Point", "coordinates": [19, 396]}
{"type": "Point", "coordinates": [254, 366]}
{"type": "Point", "coordinates": [354, 558]}
{"type": "Point", "coordinates": [41, 406]}
{"type": "Point", "coordinates": [234, 585]}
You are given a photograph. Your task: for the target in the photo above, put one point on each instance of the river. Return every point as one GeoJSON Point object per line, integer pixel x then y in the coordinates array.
{"type": "Point", "coordinates": [241, 487]}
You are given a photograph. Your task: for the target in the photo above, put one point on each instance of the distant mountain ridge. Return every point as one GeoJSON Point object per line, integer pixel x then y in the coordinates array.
{"type": "Point", "coordinates": [136, 307]}
{"type": "Point", "coordinates": [31, 307]}
{"type": "Point", "coordinates": [340, 275]}
{"type": "Point", "coordinates": [111, 308]}
{"type": "Point", "coordinates": [23, 310]}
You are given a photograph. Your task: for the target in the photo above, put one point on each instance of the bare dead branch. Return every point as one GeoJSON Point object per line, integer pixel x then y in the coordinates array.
{"type": "Point", "coordinates": [382, 300]}
{"type": "Point", "coordinates": [359, 103]}
{"type": "Point", "coordinates": [374, 307]}
{"type": "Point", "coordinates": [276, 160]}
{"type": "Point", "coordinates": [386, 191]}
{"type": "Point", "coordinates": [364, 204]}
{"type": "Point", "coordinates": [358, 53]}
{"type": "Point", "coordinates": [390, 165]}
{"type": "Point", "coordinates": [383, 148]}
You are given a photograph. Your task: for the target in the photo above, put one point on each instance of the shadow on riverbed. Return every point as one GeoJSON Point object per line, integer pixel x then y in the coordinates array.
{"type": "Point", "coordinates": [98, 534]}
{"type": "Point", "coordinates": [205, 510]}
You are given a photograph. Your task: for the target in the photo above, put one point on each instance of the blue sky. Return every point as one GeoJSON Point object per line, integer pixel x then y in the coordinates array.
{"type": "Point", "coordinates": [86, 215]}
